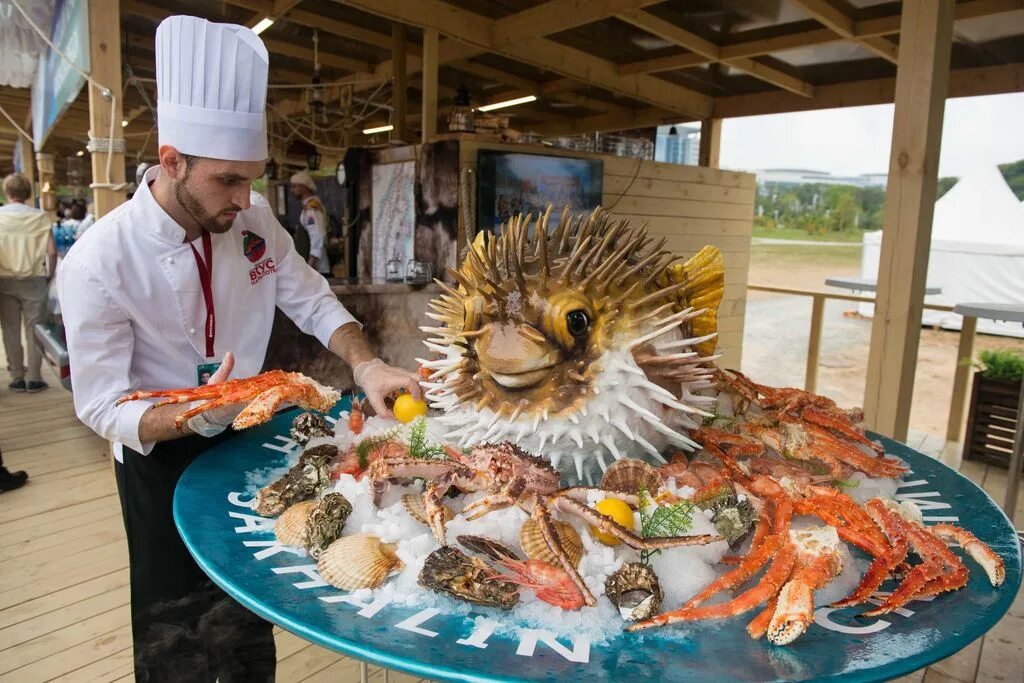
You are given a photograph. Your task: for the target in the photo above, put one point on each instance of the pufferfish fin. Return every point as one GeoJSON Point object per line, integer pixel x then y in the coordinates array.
{"type": "Point", "coordinates": [704, 274]}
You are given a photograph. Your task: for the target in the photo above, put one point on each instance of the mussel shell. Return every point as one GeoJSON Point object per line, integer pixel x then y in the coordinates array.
{"type": "Point", "coordinates": [531, 538]}
{"type": "Point", "coordinates": [290, 528]}
{"type": "Point", "coordinates": [358, 561]}
{"type": "Point", "coordinates": [635, 590]}
{"type": "Point", "coordinates": [417, 509]}
{"type": "Point", "coordinates": [307, 426]}
{"type": "Point", "coordinates": [326, 522]}
{"type": "Point", "coordinates": [449, 570]}
{"type": "Point", "coordinates": [629, 476]}
{"type": "Point", "coordinates": [496, 550]}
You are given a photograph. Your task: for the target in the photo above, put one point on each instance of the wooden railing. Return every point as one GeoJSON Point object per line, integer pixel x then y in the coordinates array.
{"type": "Point", "coordinates": [965, 349]}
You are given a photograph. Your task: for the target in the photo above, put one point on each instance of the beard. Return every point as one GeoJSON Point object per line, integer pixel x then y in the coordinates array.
{"type": "Point", "coordinates": [213, 223]}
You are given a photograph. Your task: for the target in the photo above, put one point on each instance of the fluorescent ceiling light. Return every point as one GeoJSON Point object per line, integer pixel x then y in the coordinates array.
{"type": "Point", "coordinates": [263, 25]}
{"type": "Point", "coordinates": [378, 129]}
{"type": "Point", "coordinates": [80, 153]}
{"type": "Point", "coordinates": [507, 103]}
{"type": "Point", "coordinates": [124, 123]}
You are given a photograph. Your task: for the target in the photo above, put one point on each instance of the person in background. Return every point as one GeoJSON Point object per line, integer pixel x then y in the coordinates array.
{"type": "Point", "coordinates": [314, 219]}
{"type": "Point", "coordinates": [28, 257]}
{"type": "Point", "coordinates": [11, 480]}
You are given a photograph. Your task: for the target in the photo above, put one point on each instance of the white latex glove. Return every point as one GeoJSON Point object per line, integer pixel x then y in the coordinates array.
{"type": "Point", "coordinates": [378, 380]}
{"type": "Point", "coordinates": [215, 421]}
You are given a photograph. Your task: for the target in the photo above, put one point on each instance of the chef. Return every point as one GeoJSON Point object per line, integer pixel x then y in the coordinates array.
{"type": "Point", "coordinates": [177, 286]}
{"type": "Point", "coordinates": [313, 218]}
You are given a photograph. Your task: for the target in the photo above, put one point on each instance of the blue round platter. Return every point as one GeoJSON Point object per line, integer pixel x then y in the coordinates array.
{"type": "Point", "coordinates": [236, 548]}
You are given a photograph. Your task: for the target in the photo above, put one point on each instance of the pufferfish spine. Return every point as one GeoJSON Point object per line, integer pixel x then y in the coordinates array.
{"type": "Point", "coordinates": [585, 344]}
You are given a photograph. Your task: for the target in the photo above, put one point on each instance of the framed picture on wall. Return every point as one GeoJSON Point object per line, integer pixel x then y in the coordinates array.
{"type": "Point", "coordinates": [510, 183]}
{"type": "Point", "coordinates": [393, 218]}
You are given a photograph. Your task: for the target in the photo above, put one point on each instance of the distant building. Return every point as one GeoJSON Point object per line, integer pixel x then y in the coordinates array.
{"type": "Point", "coordinates": [677, 145]}
{"type": "Point", "coordinates": [802, 176]}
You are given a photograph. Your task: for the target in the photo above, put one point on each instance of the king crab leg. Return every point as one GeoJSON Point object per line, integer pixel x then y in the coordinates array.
{"type": "Point", "coordinates": [541, 515]}
{"type": "Point", "coordinates": [607, 525]}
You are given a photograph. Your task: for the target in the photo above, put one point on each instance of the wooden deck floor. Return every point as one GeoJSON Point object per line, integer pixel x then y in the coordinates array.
{"type": "Point", "coordinates": [64, 565]}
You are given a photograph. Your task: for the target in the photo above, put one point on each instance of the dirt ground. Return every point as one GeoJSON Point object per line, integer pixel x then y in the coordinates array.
{"type": "Point", "coordinates": [775, 340]}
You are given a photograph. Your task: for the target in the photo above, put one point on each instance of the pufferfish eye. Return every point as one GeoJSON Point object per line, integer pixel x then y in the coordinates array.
{"type": "Point", "coordinates": [577, 322]}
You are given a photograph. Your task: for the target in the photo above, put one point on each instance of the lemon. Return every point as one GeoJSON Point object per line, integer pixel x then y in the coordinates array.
{"type": "Point", "coordinates": [619, 512]}
{"type": "Point", "coordinates": [408, 409]}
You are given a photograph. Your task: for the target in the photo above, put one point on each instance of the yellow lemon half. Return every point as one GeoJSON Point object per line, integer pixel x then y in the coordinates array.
{"type": "Point", "coordinates": [408, 409]}
{"type": "Point", "coordinates": [619, 512]}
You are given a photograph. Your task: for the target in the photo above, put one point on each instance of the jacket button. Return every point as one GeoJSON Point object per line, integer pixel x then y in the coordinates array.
{"type": "Point", "coordinates": [171, 260]}
{"type": "Point", "coordinates": [192, 331]}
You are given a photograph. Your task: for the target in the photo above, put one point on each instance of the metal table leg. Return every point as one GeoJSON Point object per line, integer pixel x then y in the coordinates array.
{"type": "Point", "coordinates": [1010, 504]}
{"type": "Point", "coordinates": [364, 672]}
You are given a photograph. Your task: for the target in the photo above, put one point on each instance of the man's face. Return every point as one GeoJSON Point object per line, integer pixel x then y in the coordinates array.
{"type": "Point", "coordinates": [299, 191]}
{"type": "Point", "coordinates": [214, 191]}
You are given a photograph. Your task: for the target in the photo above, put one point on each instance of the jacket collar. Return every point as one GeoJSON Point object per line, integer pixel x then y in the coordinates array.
{"type": "Point", "coordinates": [151, 215]}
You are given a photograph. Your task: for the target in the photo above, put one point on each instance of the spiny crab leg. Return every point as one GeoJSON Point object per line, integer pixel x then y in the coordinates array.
{"type": "Point", "coordinates": [747, 567]}
{"type": "Point", "coordinates": [993, 565]}
{"type": "Point", "coordinates": [768, 587]}
{"type": "Point", "coordinates": [609, 526]}
{"type": "Point", "coordinates": [880, 568]}
{"type": "Point", "coordinates": [795, 608]}
{"type": "Point", "coordinates": [541, 515]}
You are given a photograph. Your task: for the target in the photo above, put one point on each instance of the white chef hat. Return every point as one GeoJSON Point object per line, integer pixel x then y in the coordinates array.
{"type": "Point", "coordinates": [303, 178]}
{"type": "Point", "coordinates": [211, 82]}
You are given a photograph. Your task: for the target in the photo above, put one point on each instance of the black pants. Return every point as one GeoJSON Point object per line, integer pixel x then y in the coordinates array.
{"type": "Point", "coordinates": [184, 627]}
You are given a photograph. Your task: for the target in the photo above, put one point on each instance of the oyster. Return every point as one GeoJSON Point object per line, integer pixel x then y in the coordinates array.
{"type": "Point", "coordinates": [308, 426]}
{"type": "Point", "coordinates": [536, 548]}
{"type": "Point", "coordinates": [326, 522]}
{"type": "Point", "coordinates": [629, 476]}
{"type": "Point", "coordinates": [449, 570]}
{"type": "Point", "coordinates": [496, 550]}
{"type": "Point", "coordinates": [414, 505]}
{"type": "Point", "coordinates": [290, 528]}
{"type": "Point", "coordinates": [358, 561]}
{"type": "Point", "coordinates": [635, 590]}
{"type": "Point", "coordinates": [305, 480]}
{"type": "Point", "coordinates": [732, 516]}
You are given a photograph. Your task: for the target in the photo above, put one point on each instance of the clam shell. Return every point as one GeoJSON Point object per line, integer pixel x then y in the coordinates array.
{"type": "Point", "coordinates": [635, 590]}
{"type": "Point", "coordinates": [359, 561]}
{"type": "Point", "coordinates": [290, 528]}
{"type": "Point", "coordinates": [629, 476]}
{"type": "Point", "coordinates": [531, 538]}
{"type": "Point", "coordinates": [496, 550]}
{"type": "Point", "coordinates": [417, 509]}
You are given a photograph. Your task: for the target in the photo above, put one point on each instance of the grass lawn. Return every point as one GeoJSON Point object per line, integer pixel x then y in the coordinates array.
{"type": "Point", "coordinates": [799, 234]}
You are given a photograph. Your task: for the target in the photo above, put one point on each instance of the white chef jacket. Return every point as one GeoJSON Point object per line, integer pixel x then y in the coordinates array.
{"type": "Point", "coordinates": [134, 310]}
{"type": "Point", "coordinates": [314, 219]}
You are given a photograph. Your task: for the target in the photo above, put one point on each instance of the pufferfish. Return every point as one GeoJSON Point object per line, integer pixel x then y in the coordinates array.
{"type": "Point", "coordinates": [584, 343]}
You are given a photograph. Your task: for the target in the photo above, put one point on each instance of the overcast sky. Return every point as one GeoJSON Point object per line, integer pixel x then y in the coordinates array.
{"type": "Point", "coordinates": [977, 130]}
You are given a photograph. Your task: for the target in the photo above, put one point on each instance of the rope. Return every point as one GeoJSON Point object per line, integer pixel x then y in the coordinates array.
{"type": "Point", "coordinates": [15, 124]}
{"type": "Point", "coordinates": [104, 92]}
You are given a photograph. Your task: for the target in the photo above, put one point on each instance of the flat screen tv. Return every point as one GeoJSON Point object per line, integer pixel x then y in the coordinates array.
{"type": "Point", "coordinates": [510, 183]}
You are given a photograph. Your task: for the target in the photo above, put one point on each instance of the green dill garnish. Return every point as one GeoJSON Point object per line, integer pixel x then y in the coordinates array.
{"type": "Point", "coordinates": [419, 447]}
{"type": "Point", "coordinates": [670, 520]}
{"type": "Point", "coordinates": [370, 444]}
{"type": "Point", "coordinates": [845, 484]}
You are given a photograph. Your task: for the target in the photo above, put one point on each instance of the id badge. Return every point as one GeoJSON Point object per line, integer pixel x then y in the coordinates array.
{"type": "Point", "coordinates": [204, 372]}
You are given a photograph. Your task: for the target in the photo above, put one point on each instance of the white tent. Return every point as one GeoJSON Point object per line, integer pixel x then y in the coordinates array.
{"type": "Point", "coordinates": [977, 251]}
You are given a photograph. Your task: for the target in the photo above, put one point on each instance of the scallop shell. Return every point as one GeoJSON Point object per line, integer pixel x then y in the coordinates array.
{"type": "Point", "coordinates": [290, 528]}
{"type": "Point", "coordinates": [359, 561]}
{"type": "Point", "coordinates": [629, 476]}
{"type": "Point", "coordinates": [635, 590]}
{"type": "Point", "coordinates": [531, 538]}
{"type": "Point", "coordinates": [417, 509]}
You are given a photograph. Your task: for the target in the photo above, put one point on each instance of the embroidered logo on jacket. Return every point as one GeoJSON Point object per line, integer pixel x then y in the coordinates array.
{"type": "Point", "coordinates": [253, 246]}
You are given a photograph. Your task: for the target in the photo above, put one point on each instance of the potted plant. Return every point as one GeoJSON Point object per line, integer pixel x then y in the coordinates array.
{"type": "Point", "coordinates": [993, 415]}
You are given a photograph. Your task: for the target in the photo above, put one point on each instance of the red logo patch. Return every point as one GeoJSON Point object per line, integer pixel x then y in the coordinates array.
{"type": "Point", "coordinates": [253, 246]}
{"type": "Point", "coordinates": [262, 269]}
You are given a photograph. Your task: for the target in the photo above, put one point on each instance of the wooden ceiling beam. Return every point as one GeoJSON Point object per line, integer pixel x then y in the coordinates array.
{"type": "Point", "coordinates": [477, 31]}
{"type": "Point", "coordinates": [556, 16]}
{"type": "Point", "coordinates": [639, 118]}
{"type": "Point", "coordinates": [691, 41]}
{"type": "Point", "coordinates": [832, 17]}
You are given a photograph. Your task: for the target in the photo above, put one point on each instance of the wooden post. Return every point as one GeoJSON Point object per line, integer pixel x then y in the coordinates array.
{"type": "Point", "coordinates": [814, 342]}
{"type": "Point", "coordinates": [429, 119]}
{"type": "Point", "coordinates": [710, 142]}
{"type": "Point", "coordinates": [926, 29]}
{"type": "Point", "coordinates": [398, 100]}
{"type": "Point", "coordinates": [961, 378]}
{"type": "Point", "coordinates": [105, 61]}
{"type": "Point", "coordinates": [28, 165]}
{"type": "Point", "coordinates": [47, 198]}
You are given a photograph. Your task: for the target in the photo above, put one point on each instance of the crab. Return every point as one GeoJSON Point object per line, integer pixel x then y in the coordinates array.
{"type": "Point", "coordinates": [264, 393]}
{"type": "Point", "coordinates": [510, 476]}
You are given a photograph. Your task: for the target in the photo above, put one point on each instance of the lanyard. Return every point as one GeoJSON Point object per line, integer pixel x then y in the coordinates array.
{"type": "Point", "coordinates": [206, 280]}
